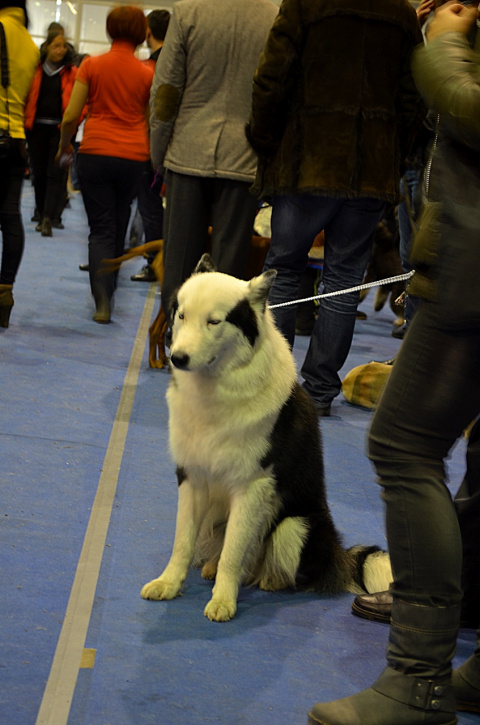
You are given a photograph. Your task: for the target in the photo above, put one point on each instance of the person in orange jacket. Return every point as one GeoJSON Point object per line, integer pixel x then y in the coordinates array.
{"type": "Point", "coordinates": [47, 100]}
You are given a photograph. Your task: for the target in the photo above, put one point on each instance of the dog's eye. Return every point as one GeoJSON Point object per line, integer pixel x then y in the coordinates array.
{"type": "Point", "coordinates": [181, 316]}
{"type": "Point", "coordinates": [213, 322]}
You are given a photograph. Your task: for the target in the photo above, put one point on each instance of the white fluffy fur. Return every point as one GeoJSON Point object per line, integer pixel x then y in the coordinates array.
{"type": "Point", "coordinates": [223, 405]}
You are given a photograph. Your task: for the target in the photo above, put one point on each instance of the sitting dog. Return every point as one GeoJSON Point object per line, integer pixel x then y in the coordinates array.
{"type": "Point", "coordinates": [252, 505]}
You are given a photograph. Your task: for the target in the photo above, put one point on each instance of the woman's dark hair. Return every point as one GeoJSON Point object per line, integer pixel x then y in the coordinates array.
{"type": "Point", "coordinates": [127, 22]}
{"type": "Point", "coordinates": [52, 34]}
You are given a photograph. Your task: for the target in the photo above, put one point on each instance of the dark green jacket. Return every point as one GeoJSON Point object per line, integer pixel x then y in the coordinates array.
{"type": "Point", "coordinates": [334, 105]}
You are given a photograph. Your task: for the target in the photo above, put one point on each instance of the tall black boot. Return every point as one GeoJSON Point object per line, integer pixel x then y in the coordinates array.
{"type": "Point", "coordinates": [415, 688]}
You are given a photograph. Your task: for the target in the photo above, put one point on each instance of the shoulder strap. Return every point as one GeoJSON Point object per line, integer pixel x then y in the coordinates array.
{"type": "Point", "coordinates": [4, 58]}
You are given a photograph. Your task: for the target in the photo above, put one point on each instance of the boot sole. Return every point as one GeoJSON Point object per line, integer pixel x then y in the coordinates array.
{"type": "Point", "coordinates": [465, 706]}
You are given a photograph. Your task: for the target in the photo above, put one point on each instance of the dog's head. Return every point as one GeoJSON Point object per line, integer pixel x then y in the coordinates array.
{"type": "Point", "coordinates": [217, 319]}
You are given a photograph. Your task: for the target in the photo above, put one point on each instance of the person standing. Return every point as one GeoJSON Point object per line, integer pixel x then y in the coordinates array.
{"type": "Point", "coordinates": [115, 146]}
{"type": "Point", "coordinates": [431, 396]}
{"type": "Point", "coordinates": [21, 58]}
{"type": "Point", "coordinates": [150, 206]}
{"type": "Point", "coordinates": [200, 102]}
{"type": "Point", "coordinates": [334, 110]}
{"type": "Point", "coordinates": [47, 100]}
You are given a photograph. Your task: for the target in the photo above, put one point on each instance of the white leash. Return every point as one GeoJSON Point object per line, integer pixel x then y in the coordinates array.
{"type": "Point", "coordinates": [378, 283]}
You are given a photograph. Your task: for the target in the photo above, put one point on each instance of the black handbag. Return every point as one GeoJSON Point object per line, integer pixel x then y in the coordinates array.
{"type": "Point", "coordinates": [6, 141]}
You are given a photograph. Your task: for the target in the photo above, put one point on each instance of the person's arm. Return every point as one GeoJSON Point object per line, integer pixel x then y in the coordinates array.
{"type": "Point", "coordinates": [274, 78]}
{"type": "Point", "coordinates": [447, 72]}
{"type": "Point", "coordinates": [167, 90]}
{"type": "Point", "coordinates": [71, 117]}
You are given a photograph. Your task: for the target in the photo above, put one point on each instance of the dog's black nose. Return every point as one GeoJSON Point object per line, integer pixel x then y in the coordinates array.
{"type": "Point", "coordinates": [180, 361]}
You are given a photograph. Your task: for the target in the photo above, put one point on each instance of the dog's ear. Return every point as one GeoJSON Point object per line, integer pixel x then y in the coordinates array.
{"type": "Point", "coordinates": [206, 264]}
{"type": "Point", "coordinates": [259, 287]}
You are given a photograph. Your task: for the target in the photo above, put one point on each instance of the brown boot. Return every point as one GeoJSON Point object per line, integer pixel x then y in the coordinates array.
{"type": "Point", "coordinates": [6, 303]}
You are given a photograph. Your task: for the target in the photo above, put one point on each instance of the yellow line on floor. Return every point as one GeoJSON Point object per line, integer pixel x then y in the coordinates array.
{"type": "Point", "coordinates": [60, 687]}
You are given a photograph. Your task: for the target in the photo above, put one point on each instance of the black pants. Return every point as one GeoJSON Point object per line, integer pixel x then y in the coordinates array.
{"type": "Point", "coordinates": [50, 182]}
{"type": "Point", "coordinates": [193, 204]}
{"type": "Point", "coordinates": [12, 170]}
{"type": "Point", "coordinates": [432, 395]}
{"type": "Point", "coordinates": [109, 184]}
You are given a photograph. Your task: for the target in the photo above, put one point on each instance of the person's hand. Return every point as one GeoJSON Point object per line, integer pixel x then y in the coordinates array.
{"type": "Point", "coordinates": [452, 17]}
{"type": "Point", "coordinates": [64, 157]}
{"type": "Point", "coordinates": [424, 10]}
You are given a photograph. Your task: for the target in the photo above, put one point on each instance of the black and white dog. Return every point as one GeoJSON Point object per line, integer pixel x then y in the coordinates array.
{"type": "Point", "coordinates": [252, 506]}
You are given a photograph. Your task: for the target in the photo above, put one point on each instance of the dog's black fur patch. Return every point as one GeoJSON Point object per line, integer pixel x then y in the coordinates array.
{"type": "Point", "coordinates": [181, 475]}
{"type": "Point", "coordinates": [243, 317]}
{"type": "Point", "coordinates": [297, 459]}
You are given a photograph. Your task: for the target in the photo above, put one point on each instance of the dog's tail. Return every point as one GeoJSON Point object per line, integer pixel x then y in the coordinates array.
{"type": "Point", "coordinates": [370, 570]}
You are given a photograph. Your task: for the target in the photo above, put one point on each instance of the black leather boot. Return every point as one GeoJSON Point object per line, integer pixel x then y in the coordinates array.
{"type": "Point", "coordinates": [415, 688]}
{"type": "Point", "coordinates": [466, 682]}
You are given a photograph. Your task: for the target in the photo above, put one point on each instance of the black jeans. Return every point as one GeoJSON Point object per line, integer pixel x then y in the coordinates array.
{"type": "Point", "coordinates": [109, 184]}
{"type": "Point", "coordinates": [433, 393]}
{"type": "Point", "coordinates": [12, 171]}
{"type": "Point", "coordinates": [50, 181]}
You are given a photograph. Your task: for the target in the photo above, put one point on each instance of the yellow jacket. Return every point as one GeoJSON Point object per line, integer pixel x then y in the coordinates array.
{"type": "Point", "coordinates": [23, 57]}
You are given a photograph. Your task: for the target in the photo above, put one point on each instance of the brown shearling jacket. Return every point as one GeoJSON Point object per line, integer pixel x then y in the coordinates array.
{"type": "Point", "coordinates": [334, 106]}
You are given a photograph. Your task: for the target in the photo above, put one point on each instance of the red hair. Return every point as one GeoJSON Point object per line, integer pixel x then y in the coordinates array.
{"type": "Point", "coordinates": [127, 22]}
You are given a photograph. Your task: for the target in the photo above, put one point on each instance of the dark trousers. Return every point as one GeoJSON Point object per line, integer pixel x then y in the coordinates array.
{"type": "Point", "coordinates": [50, 182]}
{"type": "Point", "coordinates": [433, 393]}
{"type": "Point", "coordinates": [12, 170]}
{"type": "Point", "coordinates": [193, 204]}
{"type": "Point", "coordinates": [109, 185]}
{"type": "Point", "coordinates": [150, 205]}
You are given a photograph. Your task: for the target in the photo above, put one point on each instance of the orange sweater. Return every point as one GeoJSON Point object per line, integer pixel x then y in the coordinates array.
{"type": "Point", "coordinates": [118, 96]}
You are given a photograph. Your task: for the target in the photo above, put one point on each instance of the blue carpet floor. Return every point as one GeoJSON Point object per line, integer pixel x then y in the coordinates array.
{"type": "Point", "coordinates": [84, 432]}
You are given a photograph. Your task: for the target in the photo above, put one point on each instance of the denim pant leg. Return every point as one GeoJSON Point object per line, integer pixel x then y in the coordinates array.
{"type": "Point", "coordinates": [432, 394]}
{"type": "Point", "coordinates": [348, 243]}
{"type": "Point", "coordinates": [296, 221]}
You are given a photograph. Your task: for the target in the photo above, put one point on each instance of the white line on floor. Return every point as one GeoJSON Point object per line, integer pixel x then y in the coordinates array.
{"type": "Point", "coordinates": [60, 687]}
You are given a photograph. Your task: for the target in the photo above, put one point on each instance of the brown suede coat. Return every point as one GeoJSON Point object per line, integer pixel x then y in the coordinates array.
{"type": "Point", "coordinates": [334, 105]}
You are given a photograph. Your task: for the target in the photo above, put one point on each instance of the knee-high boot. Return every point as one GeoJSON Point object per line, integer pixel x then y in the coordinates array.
{"type": "Point", "coordinates": [466, 682]}
{"type": "Point", "coordinates": [415, 688]}
{"type": "Point", "coordinates": [6, 303]}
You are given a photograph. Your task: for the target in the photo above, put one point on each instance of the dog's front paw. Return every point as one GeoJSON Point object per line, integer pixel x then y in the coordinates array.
{"type": "Point", "coordinates": [220, 611]}
{"type": "Point", "coordinates": [160, 589]}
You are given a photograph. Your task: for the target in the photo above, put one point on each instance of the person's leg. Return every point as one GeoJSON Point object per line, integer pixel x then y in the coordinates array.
{"type": "Point", "coordinates": [99, 198]}
{"type": "Point", "coordinates": [233, 214]}
{"type": "Point", "coordinates": [38, 151]}
{"type": "Point", "coordinates": [296, 221]}
{"type": "Point", "coordinates": [127, 177]}
{"type": "Point", "coordinates": [185, 229]}
{"type": "Point", "coordinates": [432, 393]}
{"type": "Point", "coordinates": [348, 243]}
{"type": "Point", "coordinates": [12, 172]}
{"type": "Point", "coordinates": [56, 182]}
{"type": "Point", "coordinates": [150, 205]}
{"type": "Point", "coordinates": [406, 214]}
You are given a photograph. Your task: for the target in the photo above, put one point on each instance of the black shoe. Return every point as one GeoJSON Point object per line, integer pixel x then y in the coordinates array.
{"type": "Point", "coordinates": [146, 274]}
{"type": "Point", "coordinates": [57, 224]}
{"type": "Point", "coordinates": [378, 608]}
{"type": "Point", "coordinates": [36, 217]}
{"type": "Point", "coordinates": [84, 267]}
{"type": "Point", "coordinates": [398, 332]}
{"type": "Point", "coordinates": [46, 227]}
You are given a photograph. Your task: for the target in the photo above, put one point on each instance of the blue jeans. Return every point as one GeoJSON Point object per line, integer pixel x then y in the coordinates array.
{"type": "Point", "coordinates": [349, 226]}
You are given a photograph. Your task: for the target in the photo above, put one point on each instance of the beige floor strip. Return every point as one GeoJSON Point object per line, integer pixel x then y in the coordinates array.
{"type": "Point", "coordinates": [60, 687]}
